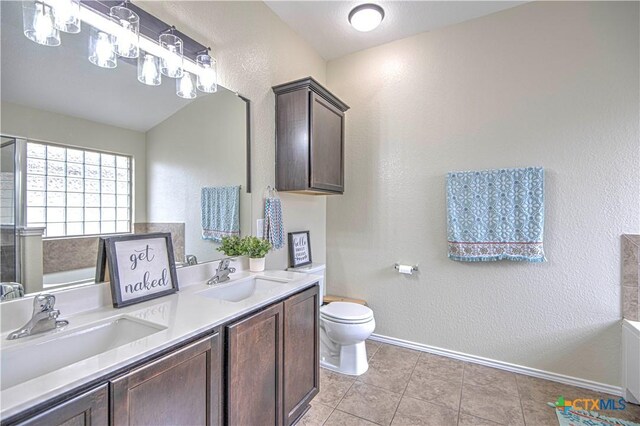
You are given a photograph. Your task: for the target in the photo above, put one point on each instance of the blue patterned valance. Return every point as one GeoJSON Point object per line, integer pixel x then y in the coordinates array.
{"type": "Point", "coordinates": [496, 214]}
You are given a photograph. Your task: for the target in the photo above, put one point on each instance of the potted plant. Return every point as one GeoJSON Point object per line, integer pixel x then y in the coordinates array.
{"type": "Point", "coordinates": [256, 248]}
{"type": "Point", "coordinates": [231, 246]}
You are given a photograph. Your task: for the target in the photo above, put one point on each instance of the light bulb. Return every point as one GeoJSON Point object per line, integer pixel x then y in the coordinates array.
{"type": "Point", "coordinates": [126, 37]}
{"type": "Point", "coordinates": [185, 87]}
{"type": "Point", "coordinates": [149, 69]}
{"type": "Point", "coordinates": [67, 15]}
{"type": "Point", "coordinates": [38, 23]}
{"type": "Point", "coordinates": [42, 26]}
{"type": "Point", "coordinates": [172, 57]}
{"type": "Point", "coordinates": [207, 75]}
{"type": "Point", "coordinates": [101, 51]}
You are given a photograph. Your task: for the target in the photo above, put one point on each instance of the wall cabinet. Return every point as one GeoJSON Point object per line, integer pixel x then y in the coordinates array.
{"type": "Point", "coordinates": [309, 138]}
{"type": "Point", "coordinates": [88, 409]}
{"type": "Point", "coordinates": [181, 388]}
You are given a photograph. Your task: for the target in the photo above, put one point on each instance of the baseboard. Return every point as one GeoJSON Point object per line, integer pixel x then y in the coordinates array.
{"type": "Point", "coordinates": [514, 368]}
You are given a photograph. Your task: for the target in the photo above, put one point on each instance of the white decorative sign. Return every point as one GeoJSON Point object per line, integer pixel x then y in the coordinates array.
{"type": "Point", "coordinates": [141, 267]}
{"type": "Point", "coordinates": [299, 249]}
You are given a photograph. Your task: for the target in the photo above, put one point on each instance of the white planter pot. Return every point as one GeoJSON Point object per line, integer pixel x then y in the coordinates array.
{"type": "Point", "coordinates": [256, 264]}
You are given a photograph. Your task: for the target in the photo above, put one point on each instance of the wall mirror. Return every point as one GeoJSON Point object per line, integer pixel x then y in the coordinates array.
{"type": "Point", "coordinates": [90, 151]}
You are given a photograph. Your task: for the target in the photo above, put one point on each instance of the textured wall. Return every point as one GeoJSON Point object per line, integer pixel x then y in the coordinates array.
{"type": "Point", "coordinates": [203, 144]}
{"type": "Point", "coordinates": [255, 51]}
{"type": "Point", "coordinates": [552, 84]}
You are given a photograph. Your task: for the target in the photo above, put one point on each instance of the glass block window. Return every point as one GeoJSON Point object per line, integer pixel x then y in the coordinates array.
{"type": "Point", "coordinates": [73, 191]}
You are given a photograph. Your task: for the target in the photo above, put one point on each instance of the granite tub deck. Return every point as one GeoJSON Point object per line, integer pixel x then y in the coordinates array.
{"type": "Point", "coordinates": [182, 316]}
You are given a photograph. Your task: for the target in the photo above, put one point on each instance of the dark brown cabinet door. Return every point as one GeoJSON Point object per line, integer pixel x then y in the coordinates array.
{"type": "Point", "coordinates": [327, 140]}
{"type": "Point", "coordinates": [309, 138]}
{"type": "Point", "coordinates": [88, 409]}
{"type": "Point", "coordinates": [254, 373]}
{"type": "Point", "coordinates": [181, 388]}
{"type": "Point", "coordinates": [301, 353]}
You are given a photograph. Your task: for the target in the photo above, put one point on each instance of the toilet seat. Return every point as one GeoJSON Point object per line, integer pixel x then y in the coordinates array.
{"type": "Point", "coordinates": [346, 313]}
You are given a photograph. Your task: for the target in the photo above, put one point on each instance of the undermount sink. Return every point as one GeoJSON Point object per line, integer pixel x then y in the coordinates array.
{"type": "Point", "coordinates": [236, 291]}
{"type": "Point", "coordinates": [27, 361]}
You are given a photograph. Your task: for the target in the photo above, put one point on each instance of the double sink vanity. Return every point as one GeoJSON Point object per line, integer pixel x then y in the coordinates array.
{"type": "Point", "coordinates": [244, 352]}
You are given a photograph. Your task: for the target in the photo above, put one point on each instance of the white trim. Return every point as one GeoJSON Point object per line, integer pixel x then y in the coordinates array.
{"type": "Point", "coordinates": [514, 368]}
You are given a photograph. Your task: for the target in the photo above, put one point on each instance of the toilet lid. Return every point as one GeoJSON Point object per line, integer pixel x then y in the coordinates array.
{"type": "Point", "coordinates": [346, 311]}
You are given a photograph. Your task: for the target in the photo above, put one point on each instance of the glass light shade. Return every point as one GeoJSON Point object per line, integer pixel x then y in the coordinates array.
{"type": "Point", "coordinates": [366, 17]}
{"type": "Point", "coordinates": [66, 14]}
{"type": "Point", "coordinates": [208, 74]}
{"type": "Point", "coordinates": [149, 69]}
{"type": "Point", "coordinates": [101, 50]}
{"type": "Point", "coordinates": [38, 23]}
{"type": "Point", "coordinates": [171, 63]}
{"type": "Point", "coordinates": [186, 85]}
{"type": "Point", "coordinates": [127, 38]}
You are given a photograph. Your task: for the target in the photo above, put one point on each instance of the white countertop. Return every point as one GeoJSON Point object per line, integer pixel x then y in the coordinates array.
{"type": "Point", "coordinates": [184, 314]}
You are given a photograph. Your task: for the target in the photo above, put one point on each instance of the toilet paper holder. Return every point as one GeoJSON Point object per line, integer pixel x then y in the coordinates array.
{"type": "Point", "coordinates": [414, 268]}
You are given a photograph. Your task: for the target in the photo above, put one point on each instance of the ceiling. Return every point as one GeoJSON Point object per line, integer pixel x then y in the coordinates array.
{"type": "Point", "coordinates": [325, 26]}
{"type": "Point", "coordinates": [61, 79]}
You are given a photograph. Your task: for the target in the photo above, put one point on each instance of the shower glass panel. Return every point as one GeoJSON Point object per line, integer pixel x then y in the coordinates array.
{"type": "Point", "coordinates": [9, 270]}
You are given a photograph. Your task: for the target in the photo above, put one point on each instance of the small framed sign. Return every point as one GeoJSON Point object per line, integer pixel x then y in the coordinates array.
{"type": "Point", "coordinates": [141, 267]}
{"type": "Point", "coordinates": [299, 249]}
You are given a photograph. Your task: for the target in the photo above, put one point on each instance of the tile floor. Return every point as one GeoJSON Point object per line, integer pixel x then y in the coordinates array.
{"type": "Point", "coordinates": [406, 387]}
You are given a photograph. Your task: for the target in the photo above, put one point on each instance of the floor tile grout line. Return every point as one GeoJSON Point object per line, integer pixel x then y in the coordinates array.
{"type": "Point", "coordinates": [464, 368]}
{"type": "Point", "coordinates": [524, 419]}
{"type": "Point", "coordinates": [405, 388]}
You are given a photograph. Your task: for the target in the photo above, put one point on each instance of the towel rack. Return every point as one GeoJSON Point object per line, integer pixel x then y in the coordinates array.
{"type": "Point", "coordinates": [270, 192]}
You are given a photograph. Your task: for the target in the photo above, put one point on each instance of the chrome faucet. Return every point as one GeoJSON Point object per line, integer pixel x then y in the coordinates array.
{"type": "Point", "coordinates": [10, 290]}
{"type": "Point", "coordinates": [222, 273]}
{"type": "Point", "coordinates": [44, 318]}
{"type": "Point", "coordinates": [191, 259]}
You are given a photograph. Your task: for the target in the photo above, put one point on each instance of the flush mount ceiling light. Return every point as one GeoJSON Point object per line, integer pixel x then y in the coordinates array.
{"type": "Point", "coordinates": [366, 17]}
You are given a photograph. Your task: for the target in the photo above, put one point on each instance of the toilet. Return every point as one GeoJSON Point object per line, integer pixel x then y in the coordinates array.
{"type": "Point", "coordinates": [344, 326]}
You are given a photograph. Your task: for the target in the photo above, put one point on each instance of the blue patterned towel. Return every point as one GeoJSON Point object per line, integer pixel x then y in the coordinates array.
{"type": "Point", "coordinates": [496, 214]}
{"type": "Point", "coordinates": [273, 225]}
{"type": "Point", "coordinates": [220, 212]}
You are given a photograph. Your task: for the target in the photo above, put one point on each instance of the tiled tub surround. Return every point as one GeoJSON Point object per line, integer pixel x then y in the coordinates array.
{"type": "Point", "coordinates": [63, 254]}
{"type": "Point", "coordinates": [407, 387]}
{"type": "Point", "coordinates": [176, 230]}
{"type": "Point", "coordinates": [631, 277]}
{"type": "Point", "coordinates": [184, 314]}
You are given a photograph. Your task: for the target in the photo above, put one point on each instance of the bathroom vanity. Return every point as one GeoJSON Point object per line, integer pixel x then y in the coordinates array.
{"type": "Point", "coordinates": [242, 352]}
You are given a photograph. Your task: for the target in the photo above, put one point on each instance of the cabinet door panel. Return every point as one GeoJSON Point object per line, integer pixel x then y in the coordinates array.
{"type": "Point", "coordinates": [301, 353]}
{"type": "Point", "coordinates": [292, 141]}
{"type": "Point", "coordinates": [180, 388]}
{"type": "Point", "coordinates": [89, 409]}
{"type": "Point", "coordinates": [254, 373]}
{"type": "Point", "coordinates": [327, 153]}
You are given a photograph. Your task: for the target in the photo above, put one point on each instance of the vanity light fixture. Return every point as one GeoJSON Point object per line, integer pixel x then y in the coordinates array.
{"type": "Point", "coordinates": [101, 49]}
{"type": "Point", "coordinates": [126, 39]}
{"type": "Point", "coordinates": [38, 23]}
{"type": "Point", "coordinates": [149, 69]}
{"type": "Point", "coordinates": [186, 86]}
{"type": "Point", "coordinates": [208, 73]}
{"type": "Point", "coordinates": [366, 17]}
{"type": "Point", "coordinates": [171, 62]}
{"type": "Point", "coordinates": [66, 15]}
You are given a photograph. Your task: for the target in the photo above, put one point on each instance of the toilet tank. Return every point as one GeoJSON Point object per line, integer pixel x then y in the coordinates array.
{"type": "Point", "coordinates": [315, 269]}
